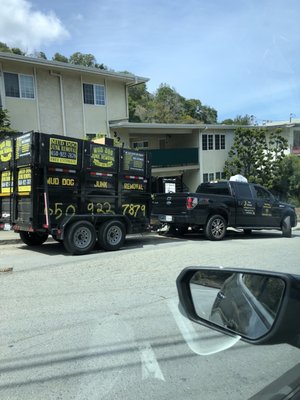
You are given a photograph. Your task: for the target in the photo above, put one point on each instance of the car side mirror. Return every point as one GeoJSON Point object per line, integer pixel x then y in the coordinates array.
{"type": "Point", "coordinates": [259, 306]}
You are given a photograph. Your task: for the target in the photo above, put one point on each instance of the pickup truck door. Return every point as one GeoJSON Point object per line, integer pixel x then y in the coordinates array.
{"type": "Point", "coordinates": [245, 205]}
{"type": "Point", "coordinates": [267, 207]}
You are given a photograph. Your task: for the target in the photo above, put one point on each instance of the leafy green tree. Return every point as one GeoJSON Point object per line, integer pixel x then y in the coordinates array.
{"type": "Point", "coordinates": [167, 106]}
{"type": "Point", "coordinates": [88, 60]}
{"type": "Point", "coordinates": [40, 54]}
{"type": "Point", "coordinates": [4, 48]}
{"type": "Point", "coordinates": [239, 120]}
{"type": "Point", "coordinates": [4, 123]}
{"type": "Point", "coordinates": [256, 154]}
{"type": "Point", "coordinates": [59, 57]}
{"type": "Point", "coordinates": [138, 100]}
{"type": "Point", "coordinates": [18, 51]}
{"type": "Point", "coordinates": [287, 186]}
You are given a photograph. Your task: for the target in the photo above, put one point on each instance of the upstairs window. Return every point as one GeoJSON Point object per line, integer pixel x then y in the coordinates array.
{"type": "Point", "coordinates": [223, 142]}
{"type": "Point", "coordinates": [94, 94]}
{"type": "Point", "coordinates": [18, 85]}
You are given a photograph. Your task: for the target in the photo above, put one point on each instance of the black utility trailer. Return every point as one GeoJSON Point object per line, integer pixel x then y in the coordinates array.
{"type": "Point", "coordinates": [80, 192]}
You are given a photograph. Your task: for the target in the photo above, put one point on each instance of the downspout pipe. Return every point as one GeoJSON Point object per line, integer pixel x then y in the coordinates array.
{"type": "Point", "coordinates": [59, 76]}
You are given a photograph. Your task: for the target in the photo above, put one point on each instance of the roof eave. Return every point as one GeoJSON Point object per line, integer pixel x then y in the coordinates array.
{"type": "Point", "coordinates": [130, 79]}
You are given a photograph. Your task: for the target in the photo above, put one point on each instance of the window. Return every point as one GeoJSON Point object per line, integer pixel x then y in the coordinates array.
{"type": "Point", "coordinates": [204, 142]}
{"type": "Point", "coordinates": [223, 142]}
{"type": "Point", "coordinates": [243, 191]}
{"type": "Point", "coordinates": [218, 175]}
{"type": "Point", "coordinates": [210, 142]}
{"type": "Point", "coordinates": [262, 193]}
{"type": "Point", "coordinates": [93, 94]}
{"type": "Point", "coordinates": [296, 138]}
{"type": "Point", "coordinates": [205, 178]}
{"type": "Point", "coordinates": [140, 145]}
{"type": "Point", "coordinates": [211, 176]}
{"type": "Point", "coordinates": [17, 85]}
{"type": "Point", "coordinates": [217, 142]}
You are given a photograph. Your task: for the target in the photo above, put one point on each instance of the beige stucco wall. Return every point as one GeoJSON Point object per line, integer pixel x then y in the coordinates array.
{"type": "Point", "coordinates": [62, 111]}
{"type": "Point", "coordinates": [22, 112]}
{"type": "Point", "coordinates": [49, 102]}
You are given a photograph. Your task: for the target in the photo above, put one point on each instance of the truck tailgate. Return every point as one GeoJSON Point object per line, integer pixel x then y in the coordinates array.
{"type": "Point", "coordinates": [169, 203]}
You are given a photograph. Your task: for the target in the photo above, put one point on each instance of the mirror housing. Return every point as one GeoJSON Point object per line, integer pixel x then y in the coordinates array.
{"type": "Point", "coordinates": [282, 323]}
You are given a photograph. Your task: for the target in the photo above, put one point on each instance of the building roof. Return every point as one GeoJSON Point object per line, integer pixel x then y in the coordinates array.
{"type": "Point", "coordinates": [130, 79]}
{"type": "Point", "coordinates": [167, 128]}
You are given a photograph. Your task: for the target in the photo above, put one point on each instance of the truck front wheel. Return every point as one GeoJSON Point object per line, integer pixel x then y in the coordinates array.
{"type": "Point", "coordinates": [33, 238]}
{"type": "Point", "coordinates": [80, 237]}
{"type": "Point", "coordinates": [215, 228]}
{"type": "Point", "coordinates": [111, 235]}
{"type": "Point", "coordinates": [286, 227]}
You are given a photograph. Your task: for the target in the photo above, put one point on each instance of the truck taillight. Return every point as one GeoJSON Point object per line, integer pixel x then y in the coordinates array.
{"type": "Point", "coordinates": [191, 202]}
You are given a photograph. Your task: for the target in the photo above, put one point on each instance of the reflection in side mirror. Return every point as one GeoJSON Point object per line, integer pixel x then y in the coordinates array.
{"type": "Point", "coordinates": [245, 303]}
{"type": "Point", "coordinates": [261, 307]}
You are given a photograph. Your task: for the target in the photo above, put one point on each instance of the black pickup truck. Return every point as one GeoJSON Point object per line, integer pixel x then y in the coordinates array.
{"type": "Point", "coordinates": [218, 205]}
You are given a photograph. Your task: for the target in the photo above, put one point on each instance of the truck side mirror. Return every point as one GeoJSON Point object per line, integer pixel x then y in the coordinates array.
{"type": "Point", "coordinates": [259, 306]}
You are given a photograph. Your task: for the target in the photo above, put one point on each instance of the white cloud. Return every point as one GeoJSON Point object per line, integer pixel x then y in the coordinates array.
{"type": "Point", "coordinates": [23, 27]}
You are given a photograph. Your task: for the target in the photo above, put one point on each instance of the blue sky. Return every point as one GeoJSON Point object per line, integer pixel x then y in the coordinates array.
{"type": "Point", "coordinates": [240, 57]}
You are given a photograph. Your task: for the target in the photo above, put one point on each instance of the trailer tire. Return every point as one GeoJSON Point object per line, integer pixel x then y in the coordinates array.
{"type": "Point", "coordinates": [215, 228]}
{"type": "Point", "coordinates": [286, 227]}
{"type": "Point", "coordinates": [33, 238]}
{"type": "Point", "coordinates": [111, 235]}
{"type": "Point", "coordinates": [80, 238]}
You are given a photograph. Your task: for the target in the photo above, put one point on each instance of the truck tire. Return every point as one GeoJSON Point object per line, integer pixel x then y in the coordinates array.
{"type": "Point", "coordinates": [33, 238]}
{"type": "Point", "coordinates": [215, 228]}
{"type": "Point", "coordinates": [80, 237]}
{"type": "Point", "coordinates": [111, 235]}
{"type": "Point", "coordinates": [286, 227]}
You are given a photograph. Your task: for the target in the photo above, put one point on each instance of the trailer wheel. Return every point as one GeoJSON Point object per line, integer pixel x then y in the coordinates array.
{"type": "Point", "coordinates": [111, 235]}
{"type": "Point", "coordinates": [286, 227]}
{"type": "Point", "coordinates": [215, 228]}
{"type": "Point", "coordinates": [80, 237]}
{"type": "Point", "coordinates": [33, 238]}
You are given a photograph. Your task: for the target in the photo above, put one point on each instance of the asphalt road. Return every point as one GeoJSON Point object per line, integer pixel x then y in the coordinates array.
{"type": "Point", "coordinates": [107, 325]}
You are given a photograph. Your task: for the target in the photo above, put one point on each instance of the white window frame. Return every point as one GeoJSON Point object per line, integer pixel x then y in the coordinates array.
{"type": "Point", "coordinates": [222, 142]}
{"type": "Point", "coordinates": [21, 87]}
{"type": "Point", "coordinates": [102, 95]}
{"type": "Point", "coordinates": [210, 142]}
{"type": "Point", "coordinates": [140, 144]}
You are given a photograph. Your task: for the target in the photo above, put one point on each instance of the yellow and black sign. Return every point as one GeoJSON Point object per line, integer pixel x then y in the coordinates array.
{"type": "Point", "coordinates": [61, 181]}
{"type": "Point", "coordinates": [6, 151]}
{"type": "Point", "coordinates": [63, 151]}
{"type": "Point", "coordinates": [6, 182]}
{"type": "Point", "coordinates": [24, 180]}
{"type": "Point", "coordinates": [103, 157]}
{"type": "Point", "coordinates": [133, 186]}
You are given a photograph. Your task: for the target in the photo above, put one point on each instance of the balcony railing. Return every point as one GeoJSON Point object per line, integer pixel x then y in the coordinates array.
{"type": "Point", "coordinates": [174, 157]}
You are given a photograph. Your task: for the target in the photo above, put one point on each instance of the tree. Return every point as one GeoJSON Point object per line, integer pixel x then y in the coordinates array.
{"type": "Point", "coordinates": [4, 123]}
{"type": "Point", "coordinates": [287, 185]}
{"type": "Point", "coordinates": [18, 51]}
{"type": "Point", "coordinates": [138, 100]}
{"type": "Point", "coordinates": [256, 154]}
{"type": "Point", "coordinates": [4, 48]}
{"type": "Point", "coordinates": [59, 57]}
{"type": "Point", "coordinates": [239, 120]}
{"type": "Point", "coordinates": [88, 60]}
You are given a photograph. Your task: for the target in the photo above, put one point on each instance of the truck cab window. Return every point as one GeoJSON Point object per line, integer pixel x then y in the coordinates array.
{"type": "Point", "coordinates": [262, 193]}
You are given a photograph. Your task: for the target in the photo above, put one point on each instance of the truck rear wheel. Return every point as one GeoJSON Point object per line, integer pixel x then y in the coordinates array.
{"type": "Point", "coordinates": [215, 228]}
{"type": "Point", "coordinates": [33, 238]}
{"type": "Point", "coordinates": [80, 237]}
{"type": "Point", "coordinates": [111, 235]}
{"type": "Point", "coordinates": [286, 227]}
